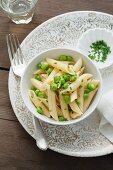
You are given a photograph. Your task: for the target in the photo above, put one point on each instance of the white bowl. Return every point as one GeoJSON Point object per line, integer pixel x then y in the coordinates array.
{"type": "Point", "coordinates": [93, 35]}
{"type": "Point", "coordinates": [54, 53]}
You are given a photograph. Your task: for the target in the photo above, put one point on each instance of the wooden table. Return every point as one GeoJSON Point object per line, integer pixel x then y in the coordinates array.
{"type": "Point", "coordinates": [17, 149]}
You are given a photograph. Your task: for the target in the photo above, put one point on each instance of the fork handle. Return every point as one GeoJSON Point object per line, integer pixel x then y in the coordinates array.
{"type": "Point", "coordinates": [41, 141]}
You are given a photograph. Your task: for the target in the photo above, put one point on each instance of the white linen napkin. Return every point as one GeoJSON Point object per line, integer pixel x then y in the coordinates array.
{"type": "Point", "coordinates": [105, 108]}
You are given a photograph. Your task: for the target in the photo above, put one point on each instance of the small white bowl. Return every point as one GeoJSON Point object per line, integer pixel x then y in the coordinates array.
{"type": "Point", "coordinates": [54, 53]}
{"type": "Point", "coordinates": [93, 35]}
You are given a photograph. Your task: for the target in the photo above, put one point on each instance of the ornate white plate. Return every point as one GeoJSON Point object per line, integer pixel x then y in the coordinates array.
{"type": "Point", "coordinates": [84, 138]}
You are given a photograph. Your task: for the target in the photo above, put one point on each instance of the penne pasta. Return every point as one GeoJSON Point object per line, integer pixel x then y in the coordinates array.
{"type": "Point", "coordinates": [64, 107]}
{"type": "Point", "coordinates": [59, 112]}
{"type": "Point", "coordinates": [52, 104]}
{"type": "Point", "coordinates": [75, 108]}
{"type": "Point", "coordinates": [59, 73]}
{"type": "Point", "coordinates": [77, 65]}
{"type": "Point", "coordinates": [67, 62]}
{"type": "Point", "coordinates": [38, 84]}
{"type": "Point", "coordinates": [80, 72]}
{"type": "Point", "coordinates": [39, 71]}
{"type": "Point", "coordinates": [34, 98]}
{"type": "Point", "coordinates": [37, 102]}
{"type": "Point", "coordinates": [44, 101]}
{"type": "Point", "coordinates": [74, 115]}
{"type": "Point", "coordinates": [89, 99]}
{"type": "Point", "coordinates": [73, 96]}
{"type": "Point", "coordinates": [95, 82]}
{"type": "Point", "coordinates": [45, 110]}
{"type": "Point", "coordinates": [72, 87]}
{"type": "Point", "coordinates": [51, 76]}
{"type": "Point", "coordinates": [61, 66]}
{"type": "Point", "coordinates": [80, 98]}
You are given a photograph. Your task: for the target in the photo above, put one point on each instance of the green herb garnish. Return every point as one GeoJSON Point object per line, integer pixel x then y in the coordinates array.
{"type": "Point", "coordinates": [99, 51]}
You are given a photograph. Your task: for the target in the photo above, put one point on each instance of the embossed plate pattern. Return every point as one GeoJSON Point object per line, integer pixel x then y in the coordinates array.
{"type": "Point", "coordinates": [84, 138]}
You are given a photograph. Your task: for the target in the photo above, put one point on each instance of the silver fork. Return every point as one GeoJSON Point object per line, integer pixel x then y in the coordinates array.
{"type": "Point", "coordinates": [18, 65]}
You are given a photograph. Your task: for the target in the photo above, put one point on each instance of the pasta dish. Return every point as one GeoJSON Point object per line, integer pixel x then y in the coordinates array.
{"type": "Point", "coordinates": [61, 89]}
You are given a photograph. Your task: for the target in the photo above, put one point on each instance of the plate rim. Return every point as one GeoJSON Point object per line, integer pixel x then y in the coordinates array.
{"type": "Point", "coordinates": [109, 148]}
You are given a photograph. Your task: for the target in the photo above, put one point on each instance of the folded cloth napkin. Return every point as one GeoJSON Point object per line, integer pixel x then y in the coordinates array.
{"type": "Point", "coordinates": [105, 108]}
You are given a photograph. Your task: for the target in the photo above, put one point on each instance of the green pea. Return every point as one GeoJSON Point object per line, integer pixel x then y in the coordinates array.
{"type": "Point", "coordinates": [39, 110]}
{"type": "Point", "coordinates": [67, 99]}
{"type": "Point", "coordinates": [91, 87]}
{"type": "Point", "coordinates": [87, 90]}
{"type": "Point", "coordinates": [57, 79]}
{"type": "Point", "coordinates": [38, 77]}
{"type": "Point", "coordinates": [62, 80]}
{"type": "Point", "coordinates": [61, 118]}
{"type": "Point", "coordinates": [54, 86]}
{"type": "Point", "coordinates": [73, 78]}
{"type": "Point", "coordinates": [86, 95]}
{"type": "Point", "coordinates": [42, 94]}
{"type": "Point", "coordinates": [62, 58]}
{"type": "Point", "coordinates": [39, 65]}
{"type": "Point", "coordinates": [66, 77]}
{"type": "Point", "coordinates": [37, 91]}
{"type": "Point", "coordinates": [44, 65]}
{"type": "Point", "coordinates": [78, 102]}
{"type": "Point", "coordinates": [49, 70]}
{"type": "Point", "coordinates": [65, 85]}
{"type": "Point", "coordinates": [69, 58]}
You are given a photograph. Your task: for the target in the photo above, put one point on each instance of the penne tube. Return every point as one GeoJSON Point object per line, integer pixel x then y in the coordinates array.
{"type": "Point", "coordinates": [77, 65]}
{"type": "Point", "coordinates": [72, 87]}
{"type": "Point", "coordinates": [38, 84]}
{"type": "Point", "coordinates": [37, 102]}
{"type": "Point", "coordinates": [51, 76]}
{"type": "Point", "coordinates": [80, 72]}
{"type": "Point", "coordinates": [75, 108]}
{"type": "Point", "coordinates": [52, 104]}
{"type": "Point", "coordinates": [59, 112]}
{"type": "Point", "coordinates": [64, 107]}
{"type": "Point", "coordinates": [73, 96]}
{"type": "Point", "coordinates": [61, 66]}
{"type": "Point", "coordinates": [44, 101]}
{"type": "Point", "coordinates": [67, 62]}
{"type": "Point", "coordinates": [95, 82]}
{"type": "Point", "coordinates": [59, 73]}
{"type": "Point", "coordinates": [80, 98]}
{"type": "Point", "coordinates": [44, 76]}
{"type": "Point", "coordinates": [39, 71]}
{"type": "Point", "coordinates": [89, 99]}
{"type": "Point", "coordinates": [74, 115]}
{"type": "Point", "coordinates": [45, 110]}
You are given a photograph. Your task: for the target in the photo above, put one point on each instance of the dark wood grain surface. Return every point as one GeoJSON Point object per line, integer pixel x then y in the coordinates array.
{"type": "Point", "coordinates": [17, 149]}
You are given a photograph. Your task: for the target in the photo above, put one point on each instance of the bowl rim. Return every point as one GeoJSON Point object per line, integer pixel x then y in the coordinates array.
{"type": "Point", "coordinates": [40, 117]}
{"type": "Point", "coordinates": [86, 33]}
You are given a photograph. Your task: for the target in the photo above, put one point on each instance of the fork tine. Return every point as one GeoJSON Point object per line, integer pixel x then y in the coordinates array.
{"type": "Point", "coordinates": [20, 51]}
{"type": "Point", "coordinates": [17, 60]}
{"type": "Point", "coordinates": [9, 49]}
{"type": "Point", "coordinates": [12, 48]}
